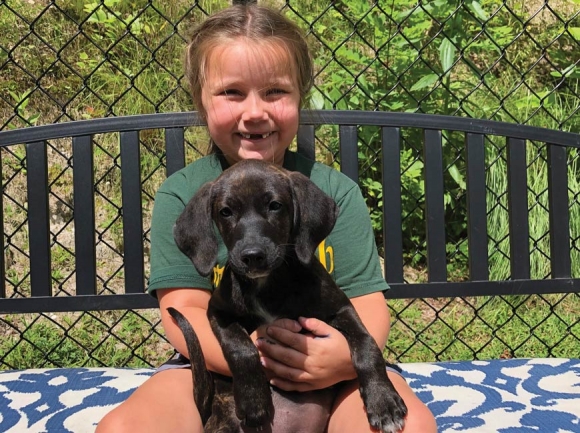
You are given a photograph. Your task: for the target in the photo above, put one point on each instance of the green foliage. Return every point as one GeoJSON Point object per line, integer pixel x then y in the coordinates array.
{"type": "Point", "coordinates": [445, 57]}
{"type": "Point", "coordinates": [484, 328]}
{"type": "Point", "coordinates": [85, 340]}
{"type": "Point", "coordinates": [21, 104]}
{"type": "Point", "coordinates": [113, 23]}
{"type": "Point", "coordinates": [448, 57]}
{"type": "Point", "coordinates": [498, 222]}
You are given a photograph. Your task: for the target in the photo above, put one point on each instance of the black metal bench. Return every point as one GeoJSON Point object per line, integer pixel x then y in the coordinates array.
{"type": "Point", "coordinates": [44, 291]}
{"type": "Point", "coordinates": [42, 298]}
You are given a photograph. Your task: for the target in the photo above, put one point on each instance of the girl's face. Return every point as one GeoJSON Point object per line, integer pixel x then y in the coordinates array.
{"type": "Point", "coordinates": [251, 100]}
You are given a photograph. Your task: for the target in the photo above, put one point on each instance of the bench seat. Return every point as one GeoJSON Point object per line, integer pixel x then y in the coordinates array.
{"type": "Point", "coordinates": [514, 395]}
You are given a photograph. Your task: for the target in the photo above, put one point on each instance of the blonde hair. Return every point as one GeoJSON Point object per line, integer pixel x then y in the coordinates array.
{"type": "Point", "coordinates": [255, 23]}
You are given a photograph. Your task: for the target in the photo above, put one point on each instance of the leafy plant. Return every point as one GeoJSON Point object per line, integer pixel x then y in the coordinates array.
{"type": "Point", "coordinates": [21, 104]}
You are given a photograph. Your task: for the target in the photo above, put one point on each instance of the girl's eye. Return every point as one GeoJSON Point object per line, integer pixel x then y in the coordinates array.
{"type": "Point", "coordinates": [226, 212]}
{"type": "Point", "coordinates": [276, 92]}
{"type": "Point", "coordinates": [275, 206]}
{"type": "Point", "coordinates": [230, 92]}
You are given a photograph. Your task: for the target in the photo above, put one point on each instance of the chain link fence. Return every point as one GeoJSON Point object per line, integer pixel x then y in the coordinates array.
{"type": "Point", "coordinates": [504, 60]}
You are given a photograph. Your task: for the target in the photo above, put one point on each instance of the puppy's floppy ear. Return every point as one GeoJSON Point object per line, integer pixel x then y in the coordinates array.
{"type": "Point", "coordinates": [314, 216]}
{"type": "Point", "coordinates": [193, 231]}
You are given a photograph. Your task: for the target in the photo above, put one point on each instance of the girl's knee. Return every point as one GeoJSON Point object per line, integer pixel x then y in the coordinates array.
{"type": "Point", "coordinates": [164, 402]}
{"type": "Point", "coordinates": [419, 419]}
{"type": "Point", "coordinates": [349, 413]}
{"type": "Point", "coordinates": [114, 421]}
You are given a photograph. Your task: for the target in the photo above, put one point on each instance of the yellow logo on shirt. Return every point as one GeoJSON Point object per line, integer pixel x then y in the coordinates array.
{"type": "Point", "coordinates": [326, 256]}
{"type": "Point", "coordinates": [218, 273]}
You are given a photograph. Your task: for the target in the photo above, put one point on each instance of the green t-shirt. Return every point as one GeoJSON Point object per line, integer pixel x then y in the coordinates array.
{"type": "Point", "coordinates": [349, 253]}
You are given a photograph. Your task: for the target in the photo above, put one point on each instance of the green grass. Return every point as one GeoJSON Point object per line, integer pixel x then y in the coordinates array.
{"type": "Point", "coordinates": [92, 339]}
{"type": "Point", "coordinates": [422, 331]}
{"type": "Point", "coordinates": [485, 328]}
{"type": "Point", "coordinates": [498, 220]}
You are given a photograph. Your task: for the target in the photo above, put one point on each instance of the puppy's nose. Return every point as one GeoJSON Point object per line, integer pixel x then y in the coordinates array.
{"type": "Point", "coordinates": [253, 257]}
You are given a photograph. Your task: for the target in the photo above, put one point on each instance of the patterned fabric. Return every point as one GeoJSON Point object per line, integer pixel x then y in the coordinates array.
{"type": "Point", "coordinates": [517, 395]}
{"type": "Point", "coordinates": [504, 396]}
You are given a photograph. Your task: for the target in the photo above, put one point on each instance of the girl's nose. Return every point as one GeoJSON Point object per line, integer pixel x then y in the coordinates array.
{"type": "Point", "coordinates": [255, 109]}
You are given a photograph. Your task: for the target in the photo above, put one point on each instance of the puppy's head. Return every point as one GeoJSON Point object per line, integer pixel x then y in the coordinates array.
{"type": "Point", "coordinates": [261, 211]}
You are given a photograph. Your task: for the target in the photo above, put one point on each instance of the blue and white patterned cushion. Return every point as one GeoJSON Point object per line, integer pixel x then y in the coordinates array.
{"type": "Point", "coordinates": [517, 395]}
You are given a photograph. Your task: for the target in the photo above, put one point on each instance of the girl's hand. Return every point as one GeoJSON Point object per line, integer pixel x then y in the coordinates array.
{"type": "Point", "coordinates": [315, 358]}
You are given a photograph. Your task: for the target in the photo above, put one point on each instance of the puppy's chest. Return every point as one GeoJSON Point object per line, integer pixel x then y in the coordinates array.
{"type": "Point", "coordinates": [264, 314]}
{"type": "Point", "coordinates": [285, 304]}
{"type": "Point", "coordinates": [284, 294]}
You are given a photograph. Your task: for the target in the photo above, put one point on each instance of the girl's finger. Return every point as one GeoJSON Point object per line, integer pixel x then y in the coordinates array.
{"type": "Point", "coordinates": [316, 327]}
{"type": "Point", "coordinates": [296, 341]}
{"type": "Point", "coordinates": [282, 354]}
{"type": "Point", "coordinates": [286, 385]}
{"type": "Point", "coordinates": [288, 324]}
{"type": "Point", "coordinates": [283, 371]}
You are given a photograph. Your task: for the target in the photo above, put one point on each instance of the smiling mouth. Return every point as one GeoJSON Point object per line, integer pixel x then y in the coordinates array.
{"type": "Point", "coordinates": [256, 136]}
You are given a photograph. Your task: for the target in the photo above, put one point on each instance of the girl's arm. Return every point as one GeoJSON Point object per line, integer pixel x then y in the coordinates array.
{"type": "Point", "coordinates": [192, 303]}
{"type": "Point", "coordinates": [374, 313]}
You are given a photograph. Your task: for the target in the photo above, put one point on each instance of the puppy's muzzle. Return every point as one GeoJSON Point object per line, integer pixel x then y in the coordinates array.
{"type": "Point", "coordinates": [255, 259]}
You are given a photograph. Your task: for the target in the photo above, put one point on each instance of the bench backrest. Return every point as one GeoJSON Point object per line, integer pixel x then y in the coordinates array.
{"type": "Point", "coordinates": [44, 295]}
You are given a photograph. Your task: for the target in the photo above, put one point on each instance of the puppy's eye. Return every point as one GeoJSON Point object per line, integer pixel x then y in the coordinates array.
{"type": "Point", "coordinates": [226, 212]}
{"type": "Point", "coordinates": [274, 206]}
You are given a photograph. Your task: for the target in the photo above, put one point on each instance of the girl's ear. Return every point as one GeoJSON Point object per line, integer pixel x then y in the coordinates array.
{"type": "Point", "coordinates": [315, 214]}
{"type": "Point", "coordinates": [193, 231]}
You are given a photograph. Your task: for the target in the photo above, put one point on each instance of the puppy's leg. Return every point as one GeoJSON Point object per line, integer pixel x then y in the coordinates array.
{"type": "Point", "coordinates": [252, 393]}
{"type": "Point", "coordinates": [386, 410]}
{"type": "Point", "coordinates": [203, 386]}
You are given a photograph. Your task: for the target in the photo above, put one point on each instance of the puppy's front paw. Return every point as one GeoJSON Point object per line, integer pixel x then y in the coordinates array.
{"type": "Point", "coordinates": [386, 412]}
{"type": "Point", "coordinates": [255, 409]}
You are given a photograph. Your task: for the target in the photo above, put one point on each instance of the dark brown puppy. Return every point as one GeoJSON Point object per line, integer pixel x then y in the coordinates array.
{"type": "Point", "coordinates": [271, 221]}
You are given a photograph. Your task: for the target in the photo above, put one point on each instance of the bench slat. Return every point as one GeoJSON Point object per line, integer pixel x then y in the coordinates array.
{"type": "Point", "coordinates": [559, 212]}
{"type": "Point", "coordinates": [392, 225]}
{"type": "Point", "coordinates": [174, 150]}
{"type": "Point", "coordinates": [519, 232]}
{"type": "Point", "coordinates": [476, 208]}
{"type": "Point", "coordinates": [55, 304]}
{"type": "Point", "coordinates": [135, 301]}
{"type": "Point", "coordinates": [307, 117]}
{"type": "Point", "coordinates": [467, 288]}
{"type": "Point", "coordinates": [306, 140]}
{"type": "Point", "coordinates": [84, 216]}
{"type": "Point", "coordinates": [348, 138]}
{"type": "Point", "coordinates": [38, 218]}
{"type": "Point", "coordinates": [132, 212]}
{"type": "Point", "coordinates": [434, 206]}
{"type": "Point", "coordinates": [2, 259]}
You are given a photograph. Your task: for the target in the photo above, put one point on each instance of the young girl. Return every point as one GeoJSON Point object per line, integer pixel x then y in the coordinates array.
{"type": "Point", "coordinates": [249, 71]}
